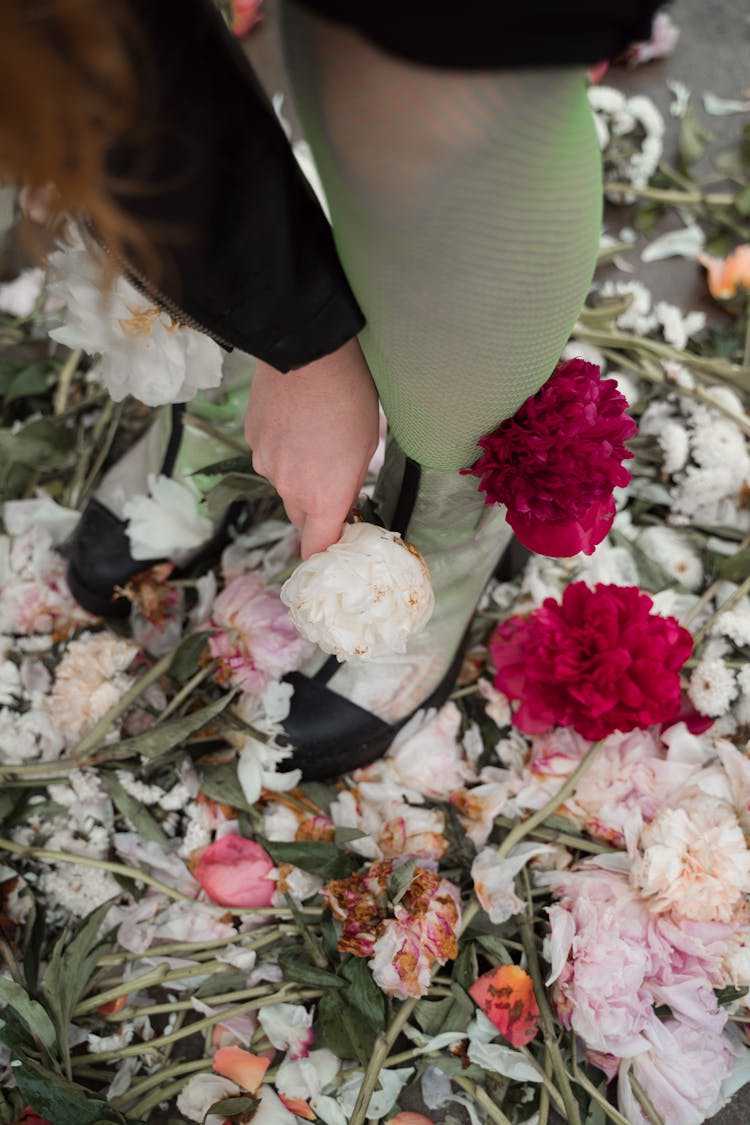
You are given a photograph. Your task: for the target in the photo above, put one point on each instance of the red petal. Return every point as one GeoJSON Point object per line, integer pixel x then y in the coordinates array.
{"type": "Point", "coordinates": [506, 996]}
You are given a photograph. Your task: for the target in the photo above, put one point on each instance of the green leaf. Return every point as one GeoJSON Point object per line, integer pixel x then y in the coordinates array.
{"type": "Point", "coordinates": [742, 200]}
{"type": "Point", "coordinates": [300, 971]}
{"type": "Point", "coordinates": [461, 1011]}
{"type": "Point", "coordinates": [235, 486]}
{"type": "Point", "coordinates": [137, 814]}
{"type": "Point", "coordinates": [59, 1101]}
{"type": "Point", "coordinates": [736, 568]}
{"type": "Point", "coordinates": [222, 784]}
{"type": "Point", "coordinates": [33, 1014]}
{"type": "Point", "coordinates": [186, 660]}
{"type": "Point", "coordinates": [43, 444]}
{"type": "Point", "coordinates": [493, 945]}
{"type": "Point", "coordinates": [693, 139]}
{"type": "Point", "coordinates": [363, 994]}
{"type": "Point", "coordinates": [451, 1064]}
{"type": "Point", "coordinates": [69, 971]}
{"type": "Point", "coordinates": [243, 465]}
{"type": "Point", "coordinates": [465, 968]}
{"type": "Point", "coordinates": [34, 935]}
{"type": "Point", "coordinates": [351, 1019]}
{"type": "Point", "coordinates": [343, 835]}
{"type": "Point", "coordinates": [729, 994]}
{"type": "Point", "coordinates": [430, 1015]}
{"type": "Point", "coordinates": [231, 1107]}
{"type": "Point", "coordinates": [320, 794]}
{"type": "Point", "coordinates": [318, 857]}
{"type": "Point", "coordinates": [218, 983]}
{"type": "Point", "coordinates": [31, 379]}
{"type": "Point", "coordinates": [165, 736]}
{"type": "Point", "coordinates": [399, 880]}
{"type": "Point", "coordinates": [14, 1032]}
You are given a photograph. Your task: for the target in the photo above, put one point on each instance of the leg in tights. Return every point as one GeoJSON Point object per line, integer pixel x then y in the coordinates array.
{"type": "Point", "coordinates": [466, 207]}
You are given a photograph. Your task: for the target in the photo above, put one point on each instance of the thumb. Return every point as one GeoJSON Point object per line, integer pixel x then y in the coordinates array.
{"type": "Point", "coordinates": [319, 532]}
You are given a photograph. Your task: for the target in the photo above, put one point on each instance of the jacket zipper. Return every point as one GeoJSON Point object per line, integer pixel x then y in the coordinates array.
{"type": "Point", "coordinates": [149, 290]}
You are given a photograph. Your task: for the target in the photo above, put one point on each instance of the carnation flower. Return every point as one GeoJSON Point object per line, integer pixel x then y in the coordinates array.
{"type": "Point", "coordinates": [599, 661]}
{"type": "Point", "coordinates": [255, 641]}
{"type": "Point", "coordinates": [365, 596]}
{"type": "Point", "coordinates": [557, 461]}
{"type": "Point", "coordinates": [692, 860]}
{"type": "Point", "coordinates": [89, 681]}
{"type": "Point", "coordinates": [143, 351]}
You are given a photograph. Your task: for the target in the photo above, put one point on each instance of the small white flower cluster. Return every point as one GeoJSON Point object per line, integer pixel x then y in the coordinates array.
{"type": "Point", "coordinates": [642, 319]}
{"type": "Point", "coordinates": [619, 122]}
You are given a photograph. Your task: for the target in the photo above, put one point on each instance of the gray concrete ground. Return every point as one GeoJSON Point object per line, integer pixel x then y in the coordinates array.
{"type": "Point", "coordinates": [713, 54]}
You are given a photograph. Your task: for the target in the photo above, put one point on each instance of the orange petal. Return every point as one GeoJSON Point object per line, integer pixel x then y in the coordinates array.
{"type": "Point", "coordinates": [506, 996]}
{"type": "Point", "coordinates": [242, 1067]}
{"type": "Point", "coordinates": [112, 1006]}
{"type": "Point", "coordinates": [410, 1119]}
{"type": "Point", "coordinates": [298, 1106]}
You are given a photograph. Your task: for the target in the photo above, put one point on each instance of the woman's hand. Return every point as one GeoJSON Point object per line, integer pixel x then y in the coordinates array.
{"type": "Point", "coordinates": [313, 432]}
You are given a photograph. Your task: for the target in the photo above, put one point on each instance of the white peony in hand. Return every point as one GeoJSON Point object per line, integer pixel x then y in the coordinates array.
{"type": "Point", "coordinates": [363, 597]}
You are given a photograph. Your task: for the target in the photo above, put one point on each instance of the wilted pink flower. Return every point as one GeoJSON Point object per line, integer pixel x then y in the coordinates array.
{"type": "Point", "coordinates": [598, 661]}
{"type": "Point", "coordinates": [361, 903]}
{"type": "Point", "coordinates": [255, 640]}
{"type": "Point", "coordinates": [234, 871]}
{"type": "Point", "coordinates": [556, 462]}
{"type": "Point", "coordinates": [423, 932]}
{"type": "Point", "coordinates": [681, 1072]}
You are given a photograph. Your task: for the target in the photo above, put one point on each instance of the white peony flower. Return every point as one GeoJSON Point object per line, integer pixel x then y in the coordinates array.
{"type": "Point", "coordinates": [144, 352]}
{"type": "Point", "coordinates": [365, 596]}
{"type": "Point", "coordinates": [167, 523]}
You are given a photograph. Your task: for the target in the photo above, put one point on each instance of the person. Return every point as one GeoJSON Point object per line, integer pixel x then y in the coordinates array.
{"type": "Point", "coordinates": [461, 167]}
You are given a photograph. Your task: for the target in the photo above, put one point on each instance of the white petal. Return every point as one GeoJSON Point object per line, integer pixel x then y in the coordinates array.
{"type": "Point", "coordinates": [503, 1060]}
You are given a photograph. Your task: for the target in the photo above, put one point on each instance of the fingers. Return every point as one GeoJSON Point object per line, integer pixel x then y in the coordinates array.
{"type": "Point", "coordinates": [319, 532]}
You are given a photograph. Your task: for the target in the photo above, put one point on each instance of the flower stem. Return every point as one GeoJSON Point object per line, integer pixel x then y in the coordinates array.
{"type": "Point", "coordinates": [158, 1079]}
{"type": "Point", "coordinates": [383, 1044]}
{"type": "Point", "coordinates": [482, 1098]}
{"type": "Point", "coordinates": [668, 195]}
{"type": "Point", "coordinates": [199, 1025]}
{"type": "Point", "coordinates": [64, 380]}
{"type": "Point", "coordinates": [644, 1101]}
{"type": "Point", "coordinates": [569, 839]}
{"type": "Point", "coordinates": [523, 827]}
{"type": "Point", "coordinates": [580, 1078]}
{"type": "Point", "coordinates": [201, 675]}
{"type": "Point", "coordinates": [160, 975]}
{"type": "Point", "coordinates": [746, 350]}
{"type": "Point", "coordinates": [103, 864]}
{"type": "Point", "coordinates": [187, 1005]}
{"type": "Point", "coordinates": [261, 937]}
{"type": "Point", "coordinates": [572, 1114]}
{"type": "Point", "coordinates": [142, 1109]}
{"type": "Point", "coordinates": [730, 603]}
{"type": "Point", "coordinates": [718, 368]}
{"type": "Point", "coordinates": [96, 734]}
{"type": "Point", "coordinates": [545, 1073]}
{"type": "Point", "coordinates": [101, 456]}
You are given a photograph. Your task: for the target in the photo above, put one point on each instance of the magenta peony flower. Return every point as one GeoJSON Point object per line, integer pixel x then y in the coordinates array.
{"type": "Point", "coordinates": [557, 461]}
{"type": "Point", "coordinates": [599, 661]}
{"type": "Point", "coordinates": [234, 871]}
{"type": "Point", "coordinates": [255, 641]}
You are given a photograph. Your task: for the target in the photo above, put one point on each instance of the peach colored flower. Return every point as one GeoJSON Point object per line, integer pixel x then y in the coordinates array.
{"type": "Point", "coordinates": [692, 860]}
{"type": "Point", "coordinates": [242, 1067]}
{"type": "Point", "coordinates": [90, 679]}
{"type": "Point", "coordinates": [728, 277]}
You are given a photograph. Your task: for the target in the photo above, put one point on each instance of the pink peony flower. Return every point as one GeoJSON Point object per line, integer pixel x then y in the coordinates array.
{"type": "Point", "coordinates": [89, 680]}
{"type": "Point", "coordinates": [255, 641]}
{"type": "Point", "coordinates": [557, 461]}
{"type": "Point", "coordinates": [234, 871]}
{"type": "Point", "coordinates": [681, 1072]}
{"type": "Point", "coordinates": [599, 661]}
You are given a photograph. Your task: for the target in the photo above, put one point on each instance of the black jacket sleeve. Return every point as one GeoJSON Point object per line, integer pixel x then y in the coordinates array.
{"type": "Point", "coordinates": [242, 246]}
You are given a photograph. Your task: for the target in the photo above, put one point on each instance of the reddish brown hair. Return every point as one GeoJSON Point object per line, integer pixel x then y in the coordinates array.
{"type": "Point", "coordinates": [67, 91]}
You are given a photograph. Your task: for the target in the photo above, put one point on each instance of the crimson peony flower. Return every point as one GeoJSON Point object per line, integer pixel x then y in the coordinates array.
{"type": "Point", "coordinates": [556, 462]}
{"type": "Point", "coordinates": [599, 661]}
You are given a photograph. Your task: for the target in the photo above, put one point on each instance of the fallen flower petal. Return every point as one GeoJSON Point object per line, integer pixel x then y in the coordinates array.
{"type": "Point", "coordinates": [506, 995]}
{"type": "Point", "coordinates": [242, 1067]}
{"type": "Point", "coordinates": [298, 1106]}
{"type": "Point", "coordinates": [235, 872]}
